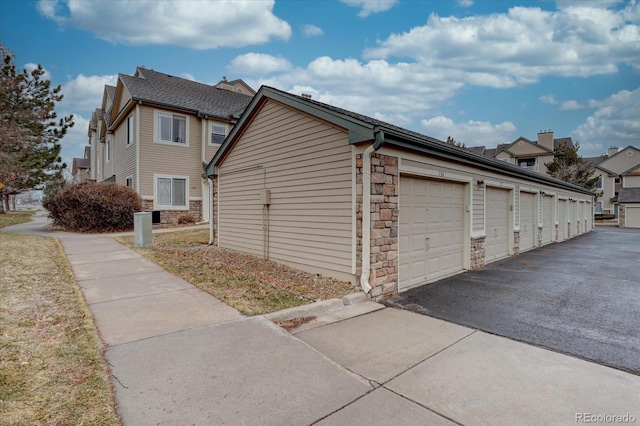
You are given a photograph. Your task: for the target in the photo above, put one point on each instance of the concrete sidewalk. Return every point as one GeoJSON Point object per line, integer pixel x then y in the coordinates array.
{"type": "Point", "coordinates": [180, 356]}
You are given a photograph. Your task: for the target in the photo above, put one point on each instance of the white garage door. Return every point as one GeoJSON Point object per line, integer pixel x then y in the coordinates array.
{"type": "Point", "coordinates": [528, 227]}
{"type": "Point", "coordinates": [632, 216]}
{"type": "Point", "coordinates": [431, 230]}
{"type": "Point", "coordinates": [562, 220]}
{"type": "Point", "coordinates": [497, 207]}
{"type": "Point", "coordinates": [548, 224]}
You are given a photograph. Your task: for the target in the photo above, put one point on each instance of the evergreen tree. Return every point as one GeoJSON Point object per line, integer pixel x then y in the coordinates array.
{"type": "Point", "coordinates": [452, 141]}
{"type": "Point", "coordinates": [569, 166]}
{"type": "Point", "coordinates": [30, 130]}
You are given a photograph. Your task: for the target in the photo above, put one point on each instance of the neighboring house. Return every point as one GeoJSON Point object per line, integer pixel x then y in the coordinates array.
{"type": "Point", "coordinates": [619, 169]}
{"type": "Point", "coordinates": [629, 202]}
{"type": "Point", "coordinates": [154, 131]}
{"type": "Point", "coordinates": [522, 152]}
{"type": "Point", "coordinates": [333, 192]}
{"type": "Point", "coordinates": [81, 167]}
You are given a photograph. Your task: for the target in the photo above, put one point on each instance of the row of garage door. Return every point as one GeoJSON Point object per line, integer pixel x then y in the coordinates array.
{"type": "Point", "coordinates": [432, 226]}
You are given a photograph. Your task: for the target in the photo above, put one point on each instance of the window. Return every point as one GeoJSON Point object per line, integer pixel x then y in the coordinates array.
{"type": "Point", "coordinates": [599, 184]}
{"type": "Point", "coordinates": [598, 207]}
{"type": "Point", "coordinates": [107, 149]}
{"type": "Point", "coordinates": [130, 130]}
{"type": "Point", "coordinates": [618, 179]}
{"type": "Point", "coordinates": [171, 128]}
{"type": "Point", "coordinates": [218, 133]}
{"type": "Point", "coordinates": [130, 182]}
{"type": "Point", "coordinates": [527, 163]}
{"type": "Point", "coordinates": [171, 191]}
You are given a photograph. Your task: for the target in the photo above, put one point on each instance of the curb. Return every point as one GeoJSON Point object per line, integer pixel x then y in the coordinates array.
{"type": "Point", "coordinates": [317, 309]}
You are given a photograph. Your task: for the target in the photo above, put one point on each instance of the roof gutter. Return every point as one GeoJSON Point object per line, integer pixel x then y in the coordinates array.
{"type": "Point", "coordinates": [366, 208]}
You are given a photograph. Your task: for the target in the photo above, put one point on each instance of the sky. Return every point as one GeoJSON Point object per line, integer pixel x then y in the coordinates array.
{"type": "Point", "coordinates": [483, 72]}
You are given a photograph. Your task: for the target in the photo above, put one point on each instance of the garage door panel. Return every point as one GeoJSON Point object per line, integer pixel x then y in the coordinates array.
{"type": "Point", "coordinates": [562, 220]}
{"type": "Point", "coordinates": [497, 240]}
{"type": "Point", "coordinates": [632, 217]}
{"type": "Point", "coordinates": [528, 228]}
{"type": "Point", "coordinates": [547, 220]}
{"type": "Point", "coordinates": [431, 230]}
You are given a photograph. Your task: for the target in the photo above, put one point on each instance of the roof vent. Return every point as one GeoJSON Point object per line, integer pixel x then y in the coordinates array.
{"type": "Point", "coordinates": [306, 95]}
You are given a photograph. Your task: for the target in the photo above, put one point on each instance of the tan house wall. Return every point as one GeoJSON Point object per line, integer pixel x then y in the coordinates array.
{"type": "Point", "coordinates": [527, 149]}
{"type": "Point", "coordinates": [505, 156]}
{"type": "Point", "coordinates": [631, 181]}
{"type": "Point", "coordinates": [167, 158]}
{"type": "Point", "coordinates": [621, 162]}
{"type": "Point", "coordinates": [307, 165]}
{"type": "Point", "coordinates": [125, 155]}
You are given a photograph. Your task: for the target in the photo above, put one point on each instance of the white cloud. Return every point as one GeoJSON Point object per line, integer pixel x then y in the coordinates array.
{"type": "Point", "coordinates": [188, 76]}
{"type": "Point", "coordinates": [548, 99]}
{"type": "Point", "coordinates": [258, 64]}
{"type": "Point", "coordinates": [312, 31]}
{"type": "Point", "coordinates": [614, 123]}
{"type": "Point", "coordinates": [471, 133]}
{"type": "Point", "coordinates": [465, 3]}
{"type": "Point", "coordinates": [84, 93]}
{"type": "Point", "coordinates": [521, 46]}
{"type": "Point", "coordinates": [195, 24]}
{"type": "Point", "coordinates": [367, 7]}
{"type": "Point", "coordinates": [570, 105]}
{"type": "Point", "coordinates": [31, 66]}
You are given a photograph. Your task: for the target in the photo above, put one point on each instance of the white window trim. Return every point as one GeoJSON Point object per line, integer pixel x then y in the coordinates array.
{"type": "Point", "coordinates": [107, 149]}
{"type": "Point", "coordinates": [157, 206]}
{"type": "Point", "coordinates": [126, 179]}
{"type": "Point", "coordinates": [156, 113]}
{"type": "Point", "coordinates": [131, 135]}
{"type": "Point", "coordinates": [226, 133]}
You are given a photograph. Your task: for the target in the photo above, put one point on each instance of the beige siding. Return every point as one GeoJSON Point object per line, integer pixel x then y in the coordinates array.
{"type": "Point", "coordinates": [306, 164]}
{"type": "Point", "coordinates": [526, 149]}
{"type": "Point", "coordinates": [622, 161]}
{"type": "Point", "coordinates": [631, 181]}
{"type": "Point", "coordinates": [169, 159]}
{"type": "Point", "coordinates": [478, 208]}
{"type": "Point", "coordinates": [124, 155]}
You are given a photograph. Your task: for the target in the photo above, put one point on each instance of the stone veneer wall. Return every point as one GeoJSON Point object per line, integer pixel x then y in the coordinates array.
{"type": "Point", "coordinates": [214, 210]}
{"type": "Point", "coordinates": [384, 224]}
{"type": "Point", "coordinates": [539, 236]}
{"type": "Point", "coordinates": [516, 243]}
{"type": "Point", "coordinates": [622, 214]}
{"type": "Point", "coordinates": [557, 232]}
{"type": "Point", "coordinates": [478, 252]}
{"type": "Point", "coordinates": [172, 216]}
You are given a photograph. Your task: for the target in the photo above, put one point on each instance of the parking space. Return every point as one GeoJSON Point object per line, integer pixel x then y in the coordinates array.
{"type": "Point", "coordinates": [578, 297]}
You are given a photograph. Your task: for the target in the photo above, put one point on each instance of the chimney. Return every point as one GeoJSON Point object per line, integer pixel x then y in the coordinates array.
{"type": "Point", "coordinates": [306, 95]}
{"type": "Point", "coordinates": [545, 138]}
{"type": "Point", "coordinates": [612, 151]}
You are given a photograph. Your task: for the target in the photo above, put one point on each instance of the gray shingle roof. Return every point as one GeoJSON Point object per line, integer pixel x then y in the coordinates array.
{"type": "Point", "coordinates": [111, 90]}
{"type": "Point", "coordinates": [629, 195]}
{"type": "Point", "coordinates": [163, 89]}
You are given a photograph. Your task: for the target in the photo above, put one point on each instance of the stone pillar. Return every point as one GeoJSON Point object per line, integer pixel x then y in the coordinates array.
{"type": "Point", "coordinates": [384, 224]}
{"type": "Point", "coordinates": [622, 215]}
{"type": "Point", "coordinates": [478, 252]}
{"type": "Point", "coordinates": [516, 243]}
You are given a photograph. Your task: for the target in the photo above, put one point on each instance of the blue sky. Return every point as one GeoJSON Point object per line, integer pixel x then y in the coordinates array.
{"type": "Point", "coordinates": [483, 72]}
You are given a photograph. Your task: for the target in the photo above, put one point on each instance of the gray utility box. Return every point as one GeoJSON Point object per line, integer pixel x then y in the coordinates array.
{"type": "Point", "coordinates": [142, 227]}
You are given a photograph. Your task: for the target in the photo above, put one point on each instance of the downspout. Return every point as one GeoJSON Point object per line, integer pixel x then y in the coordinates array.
{"type": "Point", "coordinates": [211, 210]}
{"type": "Point", "coordinates": [366, 208]}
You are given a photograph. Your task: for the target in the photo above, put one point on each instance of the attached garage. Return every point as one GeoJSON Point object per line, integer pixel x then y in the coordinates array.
{"type": "Point", "coordinates": [431, 242]}
{"type": "Point", "coordinates": [528, 225]}
{"type": "Point", "coordinates": [498, 229]}
{"type": "Point", "coordinates": [548, 222]}
{"type": "Point", "coordinates": [337, 193]}
{"type": "Point", "coordinates": [573, 209]}
{"type": "Point", "coordinates": [629, 200]}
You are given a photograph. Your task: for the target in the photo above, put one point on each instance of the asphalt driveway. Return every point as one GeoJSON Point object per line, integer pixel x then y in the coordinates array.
{"type": "Point", "coordinates": [580, 297]}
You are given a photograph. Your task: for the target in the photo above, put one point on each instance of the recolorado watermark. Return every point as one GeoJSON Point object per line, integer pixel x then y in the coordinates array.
{"type": "Point", "coordinates": [604, 418]}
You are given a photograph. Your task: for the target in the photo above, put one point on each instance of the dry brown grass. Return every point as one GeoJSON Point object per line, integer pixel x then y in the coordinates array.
{"type": "Point", "coordinates": [15, 218]}
{"type": "Point", "coordinates": [250, 284]}
{"type": "Point", "coordinates": [52, 370]}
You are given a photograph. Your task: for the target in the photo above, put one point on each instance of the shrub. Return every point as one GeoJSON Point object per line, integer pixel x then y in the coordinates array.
{"type": "Point", "coordinates": [94, 207]}
{"type": "Point", "coordinates": [186, 219]}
